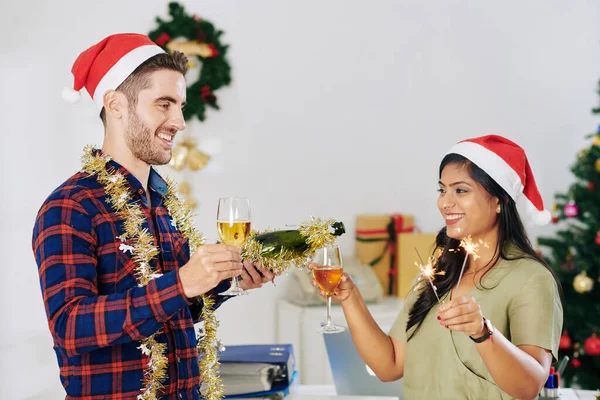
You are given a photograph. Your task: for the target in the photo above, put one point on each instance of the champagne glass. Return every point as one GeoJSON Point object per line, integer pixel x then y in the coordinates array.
{"type": "Point", "coordinates": [327, 272]}
{"type": "Point", "coordinates": [233, 225]}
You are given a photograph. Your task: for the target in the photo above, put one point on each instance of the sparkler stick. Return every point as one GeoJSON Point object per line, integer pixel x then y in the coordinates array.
{"type": "Point", "coordinates": [428, 270]}
{"type": "Point", "coordinates": [470, 248]}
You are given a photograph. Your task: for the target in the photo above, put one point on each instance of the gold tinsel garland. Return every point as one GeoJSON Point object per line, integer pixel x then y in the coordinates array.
{"type": "Point", "coordinates": [143, 250]}
{"type": "Point", "coordinates": [316, 234]}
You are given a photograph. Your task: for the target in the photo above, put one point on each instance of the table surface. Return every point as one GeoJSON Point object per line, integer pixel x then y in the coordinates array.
{"type": "Point", "coordinates": [327, 392]}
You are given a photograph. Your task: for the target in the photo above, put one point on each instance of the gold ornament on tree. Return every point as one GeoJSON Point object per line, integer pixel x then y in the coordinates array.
{"type": "Point", "coordinates": [596, 140]}
{"type": "Point", "coordinates": [597, 165]}
{"type": "Point", "coordinates": [583, 283]}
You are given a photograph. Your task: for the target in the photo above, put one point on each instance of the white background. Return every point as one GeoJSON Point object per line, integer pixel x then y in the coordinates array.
{"type": "Point", "coordinates": [336, 108]}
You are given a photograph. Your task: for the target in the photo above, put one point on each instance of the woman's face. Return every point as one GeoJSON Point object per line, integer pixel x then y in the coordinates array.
{"type": "Point", "coordinates": [467, 208]}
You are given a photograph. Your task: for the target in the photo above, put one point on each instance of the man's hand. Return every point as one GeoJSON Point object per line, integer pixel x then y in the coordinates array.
{"type": "Point", "coordinates": [251, 278]}
{"type": "Point", "coordinates": [209, 265]}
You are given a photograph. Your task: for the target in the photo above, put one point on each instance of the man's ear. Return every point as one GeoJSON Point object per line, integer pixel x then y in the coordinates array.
{"type": "Point", "coordinates": [115, 103]}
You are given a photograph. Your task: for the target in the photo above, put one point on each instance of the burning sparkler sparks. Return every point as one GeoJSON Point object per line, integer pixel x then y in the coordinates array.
{"type": "Point", "coordinates": [429, 271]}
{"type": "Point", "coordinates": [471, 248]}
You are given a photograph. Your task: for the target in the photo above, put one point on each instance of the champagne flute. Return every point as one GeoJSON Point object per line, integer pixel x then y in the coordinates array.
{"type": "Point", "coordinates": [327, 272]}
{"type": "Point", "coordinates": [233, 225]}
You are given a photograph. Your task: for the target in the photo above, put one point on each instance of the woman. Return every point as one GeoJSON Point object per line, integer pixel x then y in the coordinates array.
{"type": "Point", "coordinates": [494, 334]}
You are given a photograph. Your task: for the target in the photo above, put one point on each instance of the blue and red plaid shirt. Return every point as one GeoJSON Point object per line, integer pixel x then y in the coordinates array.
{"type": "Point", "coordinates": [96, 312]}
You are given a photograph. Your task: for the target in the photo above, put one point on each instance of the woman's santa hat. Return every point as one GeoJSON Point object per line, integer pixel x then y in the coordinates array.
{"type": "Point", "coordinates": [105, 65]}
{"type": "Point", "coordinates": [506, 163]}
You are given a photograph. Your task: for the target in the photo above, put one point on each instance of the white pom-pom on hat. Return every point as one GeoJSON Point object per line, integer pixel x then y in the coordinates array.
{"type": "Point", "coordinates": [542, 217]}
{"type": "Point", "coordinates": [70, 96]}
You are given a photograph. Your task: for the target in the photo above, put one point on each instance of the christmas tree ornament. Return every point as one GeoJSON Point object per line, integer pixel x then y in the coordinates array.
{"type": "Point", "coordinates": [592, 345]}
{"type": "Point", "coordinates": [571, 209]}
{"type": "Point", "coordinates": [591, 186]}
{"type": "Point", "coordinates": [597, 165]}
{"type": "Point", "coordinates": [583, 283]}
{"type": "Point", "coordinates": [565, 341]}
{"type": "Point", "coordinates": [569, 264]}
{"type": "Point", "coordinates": [554, 214]}
{"type": "Point", "coordinates": [576, 363]}
{"type": "Point", "coordinates": [596, 140]}
{"type": "Point", "coordinates": [597, 238]}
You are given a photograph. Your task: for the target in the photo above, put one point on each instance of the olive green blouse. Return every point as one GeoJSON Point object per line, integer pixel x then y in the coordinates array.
{"type": "Point", "coordinates": [521, 300]}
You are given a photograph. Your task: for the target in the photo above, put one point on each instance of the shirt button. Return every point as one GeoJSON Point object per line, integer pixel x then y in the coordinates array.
{"type": "Point", "coordinates": [180, 395]}
{"type": "Point", "coordinates": [173, 324]}
{"type": "Point", "coordinates": [178, 359]}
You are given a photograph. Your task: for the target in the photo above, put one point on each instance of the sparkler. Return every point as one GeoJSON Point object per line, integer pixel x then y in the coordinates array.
{"type": "Point", "coordinates": [470, 248]}
{"type": "Point", "coordinates": [428, 270]}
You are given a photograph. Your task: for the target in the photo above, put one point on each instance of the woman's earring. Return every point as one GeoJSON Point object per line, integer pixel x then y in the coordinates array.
{"type": "Point", "coordinates": [498, 209]}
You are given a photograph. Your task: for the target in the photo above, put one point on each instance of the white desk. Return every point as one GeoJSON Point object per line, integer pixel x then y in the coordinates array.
{"type": "Point", "coordinates": [327, 392]}
{"type": "Point", "coordinates": [571, 394]}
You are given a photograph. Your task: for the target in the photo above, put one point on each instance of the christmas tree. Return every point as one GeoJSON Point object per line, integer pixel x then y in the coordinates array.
{"type": "Point", "coordinates": [575, 257]}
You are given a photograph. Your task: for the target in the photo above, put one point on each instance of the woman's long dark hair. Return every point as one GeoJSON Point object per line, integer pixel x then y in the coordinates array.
{"type": "Point", "coordinates": [510, 231]}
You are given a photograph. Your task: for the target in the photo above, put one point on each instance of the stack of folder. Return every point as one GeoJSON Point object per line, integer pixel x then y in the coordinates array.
{"type": "Point", "coordinates": [258, 371]}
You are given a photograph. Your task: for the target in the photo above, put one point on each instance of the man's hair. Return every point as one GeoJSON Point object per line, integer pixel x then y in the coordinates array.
{"type": "Point", "coordinates": [140, 78]}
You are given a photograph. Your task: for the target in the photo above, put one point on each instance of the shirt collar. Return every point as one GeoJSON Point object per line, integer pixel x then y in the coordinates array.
{"type": "Point", "coordinates": [156, 182]}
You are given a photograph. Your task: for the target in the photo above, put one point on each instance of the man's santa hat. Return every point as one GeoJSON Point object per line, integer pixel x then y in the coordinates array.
{"type": "Point", "coordinates": [105, 65]}
{"type": "Point", "coordinates": [506, 163]}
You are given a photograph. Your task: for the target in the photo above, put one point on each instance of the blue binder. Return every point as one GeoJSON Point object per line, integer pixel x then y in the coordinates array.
{"type": "Point", "coordinates": [277, 354]}
{"type": "Point", "coordinates": [278, 391]}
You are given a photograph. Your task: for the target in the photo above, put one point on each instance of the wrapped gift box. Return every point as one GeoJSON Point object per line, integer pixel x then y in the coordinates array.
{"type": "Point", "coordinates": [376, 244]}
{"type": "Point", "coordinates": [407, 256]}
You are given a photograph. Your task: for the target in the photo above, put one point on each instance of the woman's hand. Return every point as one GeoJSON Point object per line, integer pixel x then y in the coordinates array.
{"type": "Point", "coordinates": [462, 315]}
{"type": "Point", "coordinates": [342, 292]}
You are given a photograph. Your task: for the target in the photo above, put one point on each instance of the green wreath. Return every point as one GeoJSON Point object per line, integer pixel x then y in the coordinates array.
{"type": "Point", "coordinates": [199, 41]}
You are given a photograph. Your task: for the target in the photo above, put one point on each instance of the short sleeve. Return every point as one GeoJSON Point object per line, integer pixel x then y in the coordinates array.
{"type": "Point", "coordinates": [398, 330]}
{"type": "Point", "coordinates": [536, 314]}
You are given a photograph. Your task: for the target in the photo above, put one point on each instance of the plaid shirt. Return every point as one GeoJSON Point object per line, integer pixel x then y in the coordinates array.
{"type": "Point", "coordinates": [96, 312]}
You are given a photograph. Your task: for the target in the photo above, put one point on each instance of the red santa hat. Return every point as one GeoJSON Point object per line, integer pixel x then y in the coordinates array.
{"type": "Point", "coordinates": [506, 163]}
{"type": "Point", "coordinates": [105, 65]}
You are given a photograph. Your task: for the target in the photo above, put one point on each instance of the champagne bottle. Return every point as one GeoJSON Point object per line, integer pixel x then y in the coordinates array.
{"type": "Point", "coordinates": [273, 243]}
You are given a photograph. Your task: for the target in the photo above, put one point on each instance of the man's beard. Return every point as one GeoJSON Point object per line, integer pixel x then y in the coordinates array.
{"type": "Point", "coordinates": [139, 138]}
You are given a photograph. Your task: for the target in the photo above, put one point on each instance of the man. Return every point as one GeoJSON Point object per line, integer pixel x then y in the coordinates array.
{"type": "Point", "coordinates": [111, 300]}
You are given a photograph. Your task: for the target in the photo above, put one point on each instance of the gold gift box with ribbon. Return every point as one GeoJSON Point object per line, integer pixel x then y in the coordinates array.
{"type": "Point", "coordinates": [376, 245]}
{"type": "Point", "coordinates": [408, 245]}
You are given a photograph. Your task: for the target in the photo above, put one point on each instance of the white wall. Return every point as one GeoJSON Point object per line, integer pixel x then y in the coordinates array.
{"type": "Point", "coordinates": [337, 107]}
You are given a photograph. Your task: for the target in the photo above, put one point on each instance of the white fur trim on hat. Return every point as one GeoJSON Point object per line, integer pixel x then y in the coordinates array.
{"type": "Point", "coordinates": [122, 69]}
{"type": "Point", "coordinates": [493, 165]}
